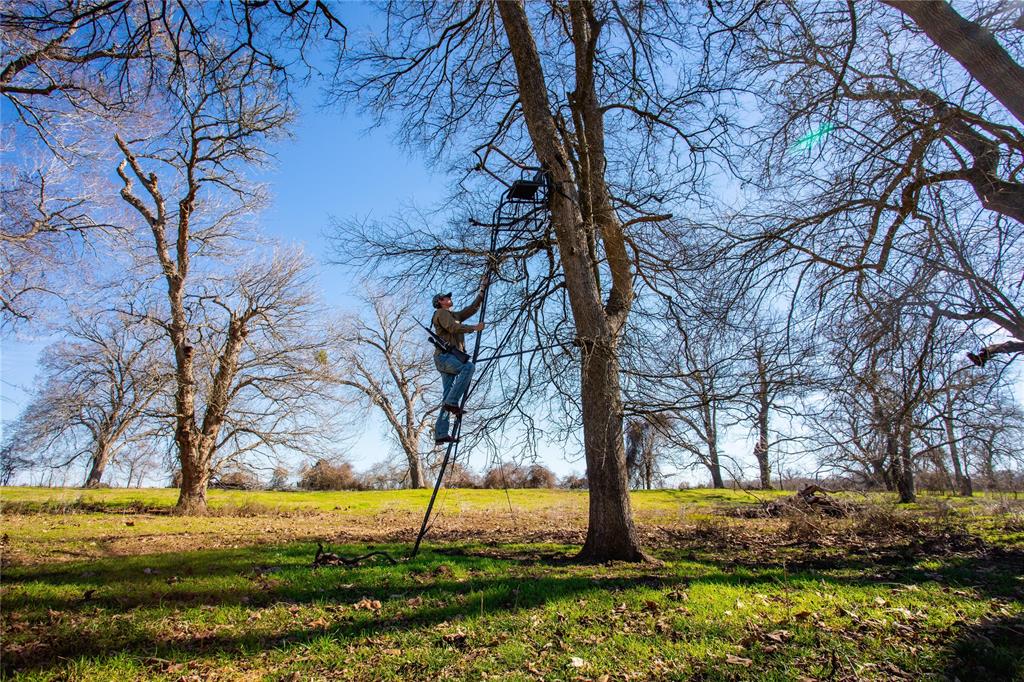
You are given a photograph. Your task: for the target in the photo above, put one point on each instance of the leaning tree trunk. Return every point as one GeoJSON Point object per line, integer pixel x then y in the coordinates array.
{"type": "Point", "coordinates": [610, 530]}
{"type": "Point", "coordinates": [100, 459]}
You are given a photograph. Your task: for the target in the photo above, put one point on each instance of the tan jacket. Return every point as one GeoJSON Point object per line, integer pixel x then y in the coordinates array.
{"type": "Point", "coordinates": [447, 324]}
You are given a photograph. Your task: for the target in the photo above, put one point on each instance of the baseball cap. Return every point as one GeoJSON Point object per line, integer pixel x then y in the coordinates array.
{"type": "Point", "coordinates": [437, 298]}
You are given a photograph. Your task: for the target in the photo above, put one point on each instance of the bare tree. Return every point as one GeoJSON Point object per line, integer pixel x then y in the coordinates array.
{"type": "Point", "coordinates": [880, 163]}
{"type": "Point", "coordinates": [95, 394]}
{"type": "Point", "coordinates": [884, 389]}
{"type": "Point", "coordinates": [386, 362]}
{"type": "Point", "coordinates": [72, 72]}
{"type": "Point", "coordinates": [106, 57]}
{"type": "Point", "coordinates": [705, 383]}
{"type": "Point", "coordinates": [226, 110]}
{"type": "Point", "coordinates": [588, 93]}
{"type": "Point", "coordinates": [12, 463]}
{"type": "Point", "coordinates": [280, 398]}
{"type": "Point", "coordinates": [644, 446]}
{"type": "Point", "coordinates": [780, 368]}
{"type": "Point", "coordinates": [138, 463]}
{"type": "Point", "coordinates": [991, 437]}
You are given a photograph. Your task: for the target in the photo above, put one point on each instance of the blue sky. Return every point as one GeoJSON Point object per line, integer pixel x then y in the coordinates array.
{"type": "Point", "coordinates": [334, 165]}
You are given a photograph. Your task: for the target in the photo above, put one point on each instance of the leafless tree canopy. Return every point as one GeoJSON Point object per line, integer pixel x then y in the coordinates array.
{"type": "Point", "coordinates": [880, 160]}
{"type": "Point", "coordinates": [383, 360]}
{"type": "Point", "coordinates": [787, 220]}
{"type": "Point", "coordinates": [75, 71]}
{"type": "Point", "coordinates": [98, 388]}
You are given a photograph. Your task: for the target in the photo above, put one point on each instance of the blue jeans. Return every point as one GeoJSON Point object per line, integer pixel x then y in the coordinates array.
{"type": "Point", "coordinates": [455, 378]}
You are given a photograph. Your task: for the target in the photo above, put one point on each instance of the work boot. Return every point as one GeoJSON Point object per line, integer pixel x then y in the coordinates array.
{"type": "Point", "coordinates": [445, 439]}
{"type": "Point", "coordinates": [454, 409]}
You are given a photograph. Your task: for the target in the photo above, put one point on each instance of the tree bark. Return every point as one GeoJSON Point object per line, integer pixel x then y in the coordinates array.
{"type": "Point", "coordinates": [973, 46]}
{"type": "Point", "coordinates": [100, 459]}
{"type": "Point", "coordinates": [416, 479]}
{"type": "Point", "coordinates": [195, 478]}
{"type": "Point", "coordinates": [611, 533]}
{"type": "Point", "coordinates": [961, 479]}
{"type": "Point", "coordinates": [904, 466]}
{"type": "Point", "coordinates": [716, 469]}
{"type": "Point", "coordinates": [761, 447]}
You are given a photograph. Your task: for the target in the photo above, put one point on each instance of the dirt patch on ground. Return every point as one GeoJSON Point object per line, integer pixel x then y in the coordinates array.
{"type": "Point", "coordinates": [870, 537]}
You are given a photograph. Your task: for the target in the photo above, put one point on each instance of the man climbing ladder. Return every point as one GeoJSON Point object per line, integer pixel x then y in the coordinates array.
{"type": "Point", "coordinates": [450, 357]}
{"type": "Point", "coordinates": [523, 206]}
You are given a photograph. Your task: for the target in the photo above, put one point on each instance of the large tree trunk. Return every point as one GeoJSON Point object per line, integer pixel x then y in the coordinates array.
{"type": "Point", "coordinates": [973, 46]}
{"type": "Point", "coordinates": [100, 459]}
{"type": "Point", "coordinates": [192, 494]}
{"type": "Point", "coordinates": [610, 531]}
{"type": "Point", "coordinates": [881, 474]}
{"type": "Point", "coordinates": [904, 467]}
{"type": "Point", "coordinates": [197, 449]}
{"type": "Point", "coordinates": [716, 468]}
{"type": "Point", "coordinates": [416, 479]}
{"type": "Point", "coordinates": [195, 477]}
{"type": "Point", "coordinates": [938, 460]}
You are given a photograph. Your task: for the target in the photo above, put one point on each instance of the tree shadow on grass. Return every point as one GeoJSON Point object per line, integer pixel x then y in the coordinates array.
{"type": "Point", "coordinates": [57, 609]}
{"type": "Point", "coordinates": [992, 649]}
{"type": "Point", "coordinates": [50, 613]}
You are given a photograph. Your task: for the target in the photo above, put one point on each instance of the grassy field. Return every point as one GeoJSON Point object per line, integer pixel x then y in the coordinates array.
{"type": "Point", "coordinates": [107, 584]}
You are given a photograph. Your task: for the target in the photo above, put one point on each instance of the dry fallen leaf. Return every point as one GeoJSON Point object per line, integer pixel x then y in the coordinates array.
{"type": "Point", "coordinates": [457, 638]}
{"type": "Point", "coordinates": [577, 662]}
{"type": "Point", "coordinates": [368, 604]}
{"type": "Point", "coordinates": [738, 660]}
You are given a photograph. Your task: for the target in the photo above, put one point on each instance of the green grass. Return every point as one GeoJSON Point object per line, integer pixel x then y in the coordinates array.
{"type": "Point", "coordinates": [921, 594]}
{"type": "Point", "coordinates": [356, 502]}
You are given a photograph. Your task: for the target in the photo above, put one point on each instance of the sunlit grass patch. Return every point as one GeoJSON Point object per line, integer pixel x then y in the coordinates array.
{"type": "Point", "coordinates": [469, 611]}
{"type": "Point", "coordinates": [890, 592]}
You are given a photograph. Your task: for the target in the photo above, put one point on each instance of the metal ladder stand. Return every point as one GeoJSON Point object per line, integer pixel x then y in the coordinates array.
{"type": "Point", "coordinates": [521, 211]}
